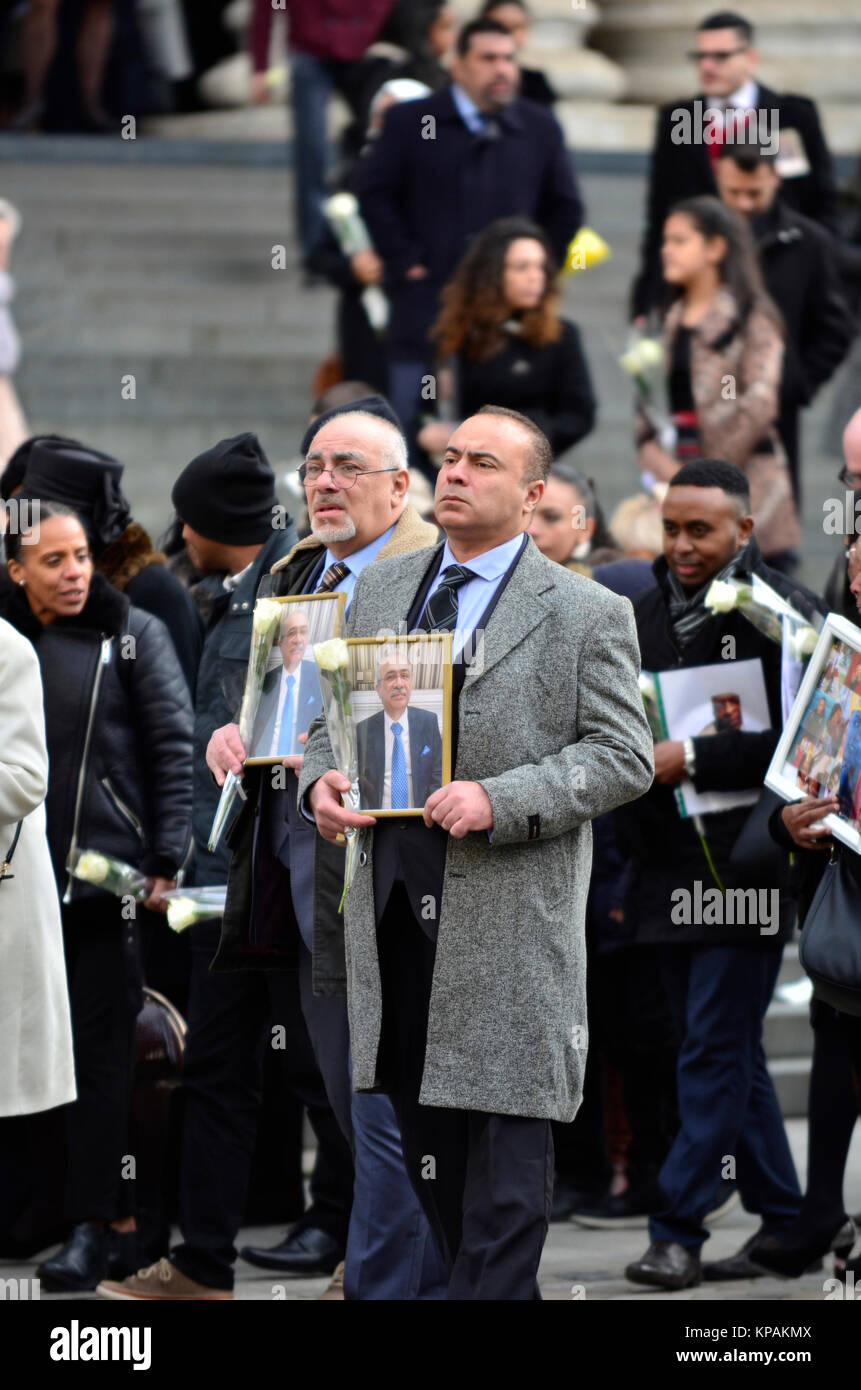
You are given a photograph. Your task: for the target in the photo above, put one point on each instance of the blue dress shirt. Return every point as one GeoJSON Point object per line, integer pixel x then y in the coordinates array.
{"type": "Point", "coordinates": [355, 564]}
{"type": "Point", "coordinates": [469, 113]}
{"type": "Point", "coordinates": [475, 594]}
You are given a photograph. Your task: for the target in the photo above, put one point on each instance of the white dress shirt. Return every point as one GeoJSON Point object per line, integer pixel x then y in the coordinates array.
{"type": "Point", "coordinates": [389, 743]}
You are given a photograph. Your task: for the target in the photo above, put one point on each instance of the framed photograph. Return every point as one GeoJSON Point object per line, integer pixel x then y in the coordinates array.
{"type": "Point", "coordinates": [282, 672]}
{"type": "Point", "coordinates": [819, 753]}
{"type": "Point", "coordinates": [697, 701]}
{"type": "Point", "coordinates": [398, 693]}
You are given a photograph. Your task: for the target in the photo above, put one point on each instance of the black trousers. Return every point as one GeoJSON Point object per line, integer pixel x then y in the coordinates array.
{"type": "Point", "coordinates": [231, 1018]}
{"type": "Point", "coordinates": [485, 1181]}
{"type": "Point", "coordinates": [105, 982]}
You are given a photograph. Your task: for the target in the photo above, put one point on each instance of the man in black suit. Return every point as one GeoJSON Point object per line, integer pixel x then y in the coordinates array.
{"type": "Point", "coordinates": [291, 697]}
{"type": "Point", "coordinates": [797, 259]}
{"type": "Point", "coordinates": [444, 167]}
{"type": "Point", "coordinates": [400, 759]}
{"type": "Point", "coordinates": [689, 134]}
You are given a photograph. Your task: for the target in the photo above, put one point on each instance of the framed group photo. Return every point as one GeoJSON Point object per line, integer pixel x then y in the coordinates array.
{"type": "Point", "coordinates": [400, 701]}
{"type": "Point", "coordinates": [284, 674]}
{"type": "Point", "coordinates": [819, 753]}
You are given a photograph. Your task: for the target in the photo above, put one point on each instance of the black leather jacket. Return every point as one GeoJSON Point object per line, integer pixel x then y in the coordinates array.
{"type": "Point", "coordinates": [118, 720]}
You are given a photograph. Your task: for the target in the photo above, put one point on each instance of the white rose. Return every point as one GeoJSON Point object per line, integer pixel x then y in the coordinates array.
{"type": "Point", "coordinates": [266, 612]}
{"type": "Point", "coordinates": [721, 597]}
{"type": "Point", "coordinates": [648, 689]}
{"type": "Point", "coordinates": [181, 913]}
{"type": "Point", "coordinates": [341, 205]}
{"type": "Point", "coordinates": [332, 655]}
{"type": "Point", "coordinates": [803, 642]}
{"type": "Point", "coordinates": [651, 353]}
{"type": "Point", "coordinates": [92, 867]}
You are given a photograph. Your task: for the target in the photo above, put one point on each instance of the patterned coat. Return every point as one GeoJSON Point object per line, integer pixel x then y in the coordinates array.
{"type": "Point", "coordinates": [551, 724]}
{"type": "Point", "coordinates": [736, 390]}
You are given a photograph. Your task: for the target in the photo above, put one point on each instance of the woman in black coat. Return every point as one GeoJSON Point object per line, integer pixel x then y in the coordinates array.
{"type": "Point", "coordinates": [500, 340]}
{"type": "Point", "coordinates": [119, 727]}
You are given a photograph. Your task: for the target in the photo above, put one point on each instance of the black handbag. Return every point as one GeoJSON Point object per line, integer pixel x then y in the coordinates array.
{"type": "Point", "coordinates": [4, 864]}
{"type": "Point", "coordinates": [756, 860]}
{"type": "Point", "coordinates": [830, 946]}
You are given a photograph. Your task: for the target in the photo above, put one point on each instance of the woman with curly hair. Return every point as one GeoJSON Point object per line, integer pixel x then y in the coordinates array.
{"type": "Point", "coordinates": [500, 340]}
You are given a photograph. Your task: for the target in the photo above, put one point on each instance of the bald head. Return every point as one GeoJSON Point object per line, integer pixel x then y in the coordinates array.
{"type": "Point", "coordinates": [852, 446]}
{"type": "Point", "coordinates": [366, 494]}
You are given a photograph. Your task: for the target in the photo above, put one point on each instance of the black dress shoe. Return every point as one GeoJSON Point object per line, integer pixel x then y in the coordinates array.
{"type": "Point", "coordinates": [628, 1210]}
{"type": "Point", "coordinates": [81, 1264]}
{"type": "Point", "coordinates": [124, 1254]}
{"type": "Point", "coordinates": [306, 1252]}
{"type": "Point", "coordinates": [741, 1266]}
{"type": "Point", "coordinates": [791, 1259]}
{"type": "Point", "coordinates": [667, 1265]}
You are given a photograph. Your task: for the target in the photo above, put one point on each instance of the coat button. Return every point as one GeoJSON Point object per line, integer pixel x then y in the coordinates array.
{"type": "Point", "coordinates": [363, 859]}
{"type": "Point", "coordinates": [245, 605]}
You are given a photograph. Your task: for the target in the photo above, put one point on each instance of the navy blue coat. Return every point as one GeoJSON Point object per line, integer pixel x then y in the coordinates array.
{"type": "Point", "coordinates": [429, 186]}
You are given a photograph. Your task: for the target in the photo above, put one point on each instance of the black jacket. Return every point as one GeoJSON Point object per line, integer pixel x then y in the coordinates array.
{"type": "Point", "coordinates": [800, 272]}
{"type": "Point", "coordinates": [684, 170]}
{"type": "Point", "coordinates": [664, 848]}
{"type": "Point", "coordinates": [550, 384]}
{"type": "Point", "coordinates": [220, 682]}
{"type": "Point", "coordinates": [428, 186]}
{"type": "Point", "coordinates": [234, 951]}
{"type": "Point", "coordinates": [118, 721]}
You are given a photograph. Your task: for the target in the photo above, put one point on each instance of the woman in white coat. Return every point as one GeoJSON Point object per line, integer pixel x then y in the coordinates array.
{"type": "Point", "coordinates": [36, 1060]}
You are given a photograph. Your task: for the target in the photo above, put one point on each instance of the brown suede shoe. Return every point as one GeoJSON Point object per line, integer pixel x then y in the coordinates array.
{"type": "Point", "coordinates": [336, 1286]}
{"type": "Point", "coordinates": [160, 1281]}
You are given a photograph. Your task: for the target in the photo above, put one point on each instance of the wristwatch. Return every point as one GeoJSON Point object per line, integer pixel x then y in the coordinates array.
{"type": "Point", "coordinates": [690, 758]}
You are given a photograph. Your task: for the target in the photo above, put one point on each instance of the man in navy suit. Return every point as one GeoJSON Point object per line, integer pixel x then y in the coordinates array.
{"type": "Point", "coordinates": [443, 168]}
{"type": "Point", "coordinates": [291, 696]}
{"type": "Point", "coordinates": [400, 749]}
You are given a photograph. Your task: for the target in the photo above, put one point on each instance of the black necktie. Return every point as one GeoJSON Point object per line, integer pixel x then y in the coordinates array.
{"type": "Point", "coordinates": [440, 613]}
{"type": "Point", "coordinates": [334, 574]}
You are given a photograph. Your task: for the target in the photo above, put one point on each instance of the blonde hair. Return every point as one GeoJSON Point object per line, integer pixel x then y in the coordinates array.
{"type": "Point", "coordinates": [636, 525]}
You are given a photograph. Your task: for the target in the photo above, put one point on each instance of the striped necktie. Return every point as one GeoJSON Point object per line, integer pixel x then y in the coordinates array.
{"type": "Point", "coordinates": [440, 613]}
{"type": "Point", "coordinates": [334, 574]}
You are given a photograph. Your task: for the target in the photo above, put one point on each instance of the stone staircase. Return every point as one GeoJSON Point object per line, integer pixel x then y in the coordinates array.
{"type": "Point", "coordinates": [162, 274]}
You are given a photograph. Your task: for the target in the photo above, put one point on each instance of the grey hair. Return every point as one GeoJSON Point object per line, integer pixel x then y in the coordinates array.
{"type": "Point", "coordinates": [395, 448]}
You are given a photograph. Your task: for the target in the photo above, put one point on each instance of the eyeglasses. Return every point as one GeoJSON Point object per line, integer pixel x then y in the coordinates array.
{"type": "Point", "coordinates": [717, 55]}
{"type": "Point", "coordinates": [848, 478]}
{"type": "Point", "coordinates": [344, 474]}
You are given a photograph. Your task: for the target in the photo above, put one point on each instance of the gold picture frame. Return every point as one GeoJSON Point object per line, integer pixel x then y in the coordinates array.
{"type": "Point", "coordinates": [264, 694]}
{"type": "Point", "coordinates": [377, 696]}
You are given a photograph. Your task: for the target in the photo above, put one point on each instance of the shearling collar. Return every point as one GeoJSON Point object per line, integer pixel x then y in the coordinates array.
{"type": "Point", "coordinates": [104, 611]}
{"type": "Point", "coordinates": [131, 552]}
{"type": "Point", "coordinates": [410, 533]}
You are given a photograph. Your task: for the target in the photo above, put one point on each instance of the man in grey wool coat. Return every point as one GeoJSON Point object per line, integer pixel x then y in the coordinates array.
{"type": "Point", "coordinates": [465, 944]}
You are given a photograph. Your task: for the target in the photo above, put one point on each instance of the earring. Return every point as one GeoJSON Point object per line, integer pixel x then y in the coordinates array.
{"type": "Point", "coordinates": [22, 582]}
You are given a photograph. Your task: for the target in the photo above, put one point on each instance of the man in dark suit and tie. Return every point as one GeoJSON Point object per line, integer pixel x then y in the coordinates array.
{"type": "Point", "coordinates": [731, 106]}
{"type": "Point", "coordinates": [400, 749]}
{"type": "Point", "coordinates": [465, 928]}
{"type": "Point", "coordinates": [291, 694]}
{"type": "Point", "coordinates": [441, 170]}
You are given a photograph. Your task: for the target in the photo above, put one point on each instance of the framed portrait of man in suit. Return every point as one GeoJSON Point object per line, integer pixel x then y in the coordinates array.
{"type": "Point", "coordinates": [290, 697]}
{"type": "Point", "coordinates": [401, 707]}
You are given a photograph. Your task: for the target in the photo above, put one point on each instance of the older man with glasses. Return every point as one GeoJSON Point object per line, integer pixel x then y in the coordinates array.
{"type": "Point", "coordinates": [730, 104]}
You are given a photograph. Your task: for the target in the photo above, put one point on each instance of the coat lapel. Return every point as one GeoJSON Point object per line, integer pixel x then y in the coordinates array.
{"type": "Point", "coordinates": [519, 611]}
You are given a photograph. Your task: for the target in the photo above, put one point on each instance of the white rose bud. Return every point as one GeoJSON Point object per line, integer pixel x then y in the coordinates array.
{"type": "Point", "coordinates": [181, 913]}
{"type": "Point", "coordinates": [721, 597]}
{"type": "Point", "coordinates": [332, 655]}
{"type": "Point", "coordinates": [266, 612]}
{"type": "Point", "coordinates": [92, 867]}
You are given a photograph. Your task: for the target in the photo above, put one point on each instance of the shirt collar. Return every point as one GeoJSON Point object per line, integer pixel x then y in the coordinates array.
{"type": "Point", "coordinates": [744, 99]}
{"type": "Point", "coordinates": [356, 562]}
{"type": "Point", "coordinates": [466, 107]}
{"type": "Point", "coordinates": [491, 564]}
{"type": "Point", "coordinates": [232, 581]}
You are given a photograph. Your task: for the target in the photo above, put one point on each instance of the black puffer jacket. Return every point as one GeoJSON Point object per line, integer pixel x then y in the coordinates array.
{"type": "Point", "coordinates": [118, 719]}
